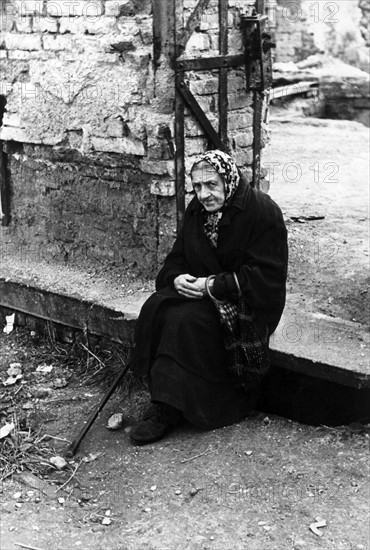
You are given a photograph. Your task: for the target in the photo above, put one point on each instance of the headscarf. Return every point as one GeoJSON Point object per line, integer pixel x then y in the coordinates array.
{"type": "Point", "coordinates": [226, 167]}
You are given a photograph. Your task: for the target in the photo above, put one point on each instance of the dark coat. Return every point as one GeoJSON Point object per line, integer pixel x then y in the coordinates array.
{"type": "Point", "coordinates": [252, 242]}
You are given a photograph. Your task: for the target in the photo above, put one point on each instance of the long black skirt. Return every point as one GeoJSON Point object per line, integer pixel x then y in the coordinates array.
{"type": "Point", "coordinates": [179, 346]}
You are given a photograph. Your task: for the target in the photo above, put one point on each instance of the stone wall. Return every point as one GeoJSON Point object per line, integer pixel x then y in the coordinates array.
{"type": "Point", "coordinates": [89, 126]}
{"type": "Point", "coordinates": [339, 29]}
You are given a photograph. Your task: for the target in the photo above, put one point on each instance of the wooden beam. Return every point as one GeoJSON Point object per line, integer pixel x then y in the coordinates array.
{"type": "Point", "coordinates": [4, 188]}
{"type": "Point", "coordinates": [223, 46]}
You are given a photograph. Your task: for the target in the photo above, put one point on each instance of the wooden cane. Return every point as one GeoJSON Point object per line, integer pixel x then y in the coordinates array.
{"type": "Point", "coordinates": [71, 450]}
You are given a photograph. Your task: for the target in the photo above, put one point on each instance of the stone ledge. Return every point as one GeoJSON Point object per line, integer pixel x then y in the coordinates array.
{"type": "Point", "coordinates": [310, 344]}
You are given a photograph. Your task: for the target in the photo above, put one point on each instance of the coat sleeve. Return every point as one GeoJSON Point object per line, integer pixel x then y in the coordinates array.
{"type": "Point", "coordinates": [175, 264]}
{"type": "Point", "coordinates": [263, 270]}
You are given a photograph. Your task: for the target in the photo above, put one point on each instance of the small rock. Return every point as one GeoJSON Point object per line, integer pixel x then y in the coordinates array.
{"type": "Point", "coordinates": [266, 420]}
{"type": "Point", "coordinates": [5, 430]}
{"type": "Point", "coordinates": [61, 500]}
{"type": "Point", "coordinates": [115, 422]}
{"type": "Point", "coordinates": [60, 383]}
{"type": "Point", "coordinates": [107, 513]}
{"type": "Point", "coordinates": [14, 369]}
{"type": "Point", "coordinates": [299, 544]}
{"type": "Point", "coordinates": [59, 462]}
{"type": "Point", "coordinates": [153, 487]}
{"type": "Point", "coordinates": [44, 368]}
{"type": "Point", "coordinates": [262, 522]}
{"type": "Point", "coordinates": [248, 453]}
{"type": "Point", "coordinates": [147, 510]}
{"type": "Point", "coordinates": [314, 527]}
{"type": "Point", "coordinates": [106, 521]}
{"type": "Point", "coordinates": [267, 527]}
{"type": "Point", "coordinates": [178, 492]}
{"type": "Point", "coordinates": [194, 491]}
{"type": "Point", "coordinates": [17, 495]}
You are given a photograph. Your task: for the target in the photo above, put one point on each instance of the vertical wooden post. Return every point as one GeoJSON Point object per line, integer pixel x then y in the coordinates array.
{"type": "Point", "coordinates": [223, 46]}
{"type": "Point", "coordinates": [4, 180]}
{"type": "Point", "coordinates": [178, 26]}
{"type": "Point", "coordinates": [4, 188]}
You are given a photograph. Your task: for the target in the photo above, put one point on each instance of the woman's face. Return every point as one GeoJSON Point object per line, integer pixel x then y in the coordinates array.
{"type": "Point", "coordinates": [209, 187]}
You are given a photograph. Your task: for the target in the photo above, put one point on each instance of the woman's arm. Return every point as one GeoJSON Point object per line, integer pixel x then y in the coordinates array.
{"type": "Point", "coordinates": [263, 269]}
{"type": "Point", "coordinates": [174, 265]}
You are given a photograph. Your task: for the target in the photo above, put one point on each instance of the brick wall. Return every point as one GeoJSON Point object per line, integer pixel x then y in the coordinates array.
{"type": "Point", "coordinates": [88, 128]}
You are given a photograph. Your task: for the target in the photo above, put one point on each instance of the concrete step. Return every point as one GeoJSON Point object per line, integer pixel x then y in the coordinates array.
{"type": "Point", "coordinates": [330, 353]}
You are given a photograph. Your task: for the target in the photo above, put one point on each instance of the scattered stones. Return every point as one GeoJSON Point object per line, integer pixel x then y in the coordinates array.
{"type": "Point", "coordinates": [59, 462]}
{"type": "Point", "coordinates": [314, 527]}
{"type": "Point", "coordinates": [60, 383]}
{"type": "Point", "coordinates": [5, 430]}
{"type": "Point", "coordinates": [14, 374]}
{"type": "Point", "coordinates": [115, 422]}
{"type": "Point", "coordinates": [45, 369]}
{"type": "Point", "coordinates": [92, 456]}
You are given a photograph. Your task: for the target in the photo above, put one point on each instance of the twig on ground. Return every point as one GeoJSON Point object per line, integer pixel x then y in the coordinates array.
{"type": "Point", "coordinates": [206, 452]}
{"type": "Point", "coordinates": [27, 546]}
{"type": "Point", "coordinates": [93, 354]}
{"type": "Point", "coordinates": [70, 478]}
{"type": "Point", "coordinates": [53, 437]}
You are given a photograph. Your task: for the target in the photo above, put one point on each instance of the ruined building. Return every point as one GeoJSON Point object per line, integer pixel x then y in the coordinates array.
{"type": "Point", "coordinates": [91, 132]}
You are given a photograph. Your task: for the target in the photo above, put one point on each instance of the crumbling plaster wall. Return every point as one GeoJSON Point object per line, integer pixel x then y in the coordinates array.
{"type": "Point", "coordinates": [339, 28]}
{"type": "Point", "coordinates": [89, 127]}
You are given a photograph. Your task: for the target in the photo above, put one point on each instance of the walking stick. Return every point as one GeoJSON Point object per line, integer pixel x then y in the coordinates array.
{"type": "Point", "coordinates": [71, 450]}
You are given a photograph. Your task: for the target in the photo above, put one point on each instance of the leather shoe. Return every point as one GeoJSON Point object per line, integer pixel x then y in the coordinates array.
{"type": "Point", "coordinates": [158, 421]}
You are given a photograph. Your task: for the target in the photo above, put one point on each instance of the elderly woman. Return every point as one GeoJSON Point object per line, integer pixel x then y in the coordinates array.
{"type": "Point", "coordinates": [232, 250]}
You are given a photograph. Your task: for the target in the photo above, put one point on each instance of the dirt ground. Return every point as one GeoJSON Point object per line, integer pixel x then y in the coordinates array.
{"type": "Point", "coordinates": [320, 168]}
{"type": "Point", "coordinates": [257, 485]}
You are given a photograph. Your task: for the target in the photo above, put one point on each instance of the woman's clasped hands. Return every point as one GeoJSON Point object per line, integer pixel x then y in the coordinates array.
{"type": "Point", "coordinates": [190, 286]}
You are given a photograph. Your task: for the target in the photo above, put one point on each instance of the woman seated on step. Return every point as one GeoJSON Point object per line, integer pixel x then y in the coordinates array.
{"type": "Point", "coordinates": [202, 337]}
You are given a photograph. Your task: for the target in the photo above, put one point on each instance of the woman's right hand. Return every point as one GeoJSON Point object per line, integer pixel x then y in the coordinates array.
{"type": "Point", "coordinates": [184, 284]}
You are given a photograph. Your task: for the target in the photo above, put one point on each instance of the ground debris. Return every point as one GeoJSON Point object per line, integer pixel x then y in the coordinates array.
{"type": "Point", "coordinates": [5, 430]}
{"type": "Point", "coordinates": [314, 527]}
{"type": "Point", "coordinates": [115, 422]}
{"type": "Point", "coordinates": [45, 369]}
{"type": "Point", "coordinates": [59, 462]}
{"type": "Point", "coordinates": [14, 373]}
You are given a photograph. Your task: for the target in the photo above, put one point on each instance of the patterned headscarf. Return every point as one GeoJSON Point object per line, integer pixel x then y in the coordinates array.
{"type": "Point", "coordinates": [226, 167]}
